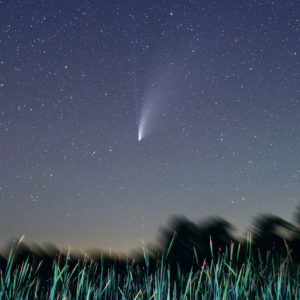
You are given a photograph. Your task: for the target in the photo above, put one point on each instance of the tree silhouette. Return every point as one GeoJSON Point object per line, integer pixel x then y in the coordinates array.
{"type": "Point", "coordinates": [266, 232]}
{"type": "Point", "coordinates": [192, 242]}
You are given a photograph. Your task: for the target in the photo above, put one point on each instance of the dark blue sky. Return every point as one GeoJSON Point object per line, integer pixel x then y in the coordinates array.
{"type": "Point", "coordinates": [212, 87]}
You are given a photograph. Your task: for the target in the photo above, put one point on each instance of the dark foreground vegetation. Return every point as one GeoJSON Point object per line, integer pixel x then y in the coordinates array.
{"type": "Point", "coordinates": [195, 261]}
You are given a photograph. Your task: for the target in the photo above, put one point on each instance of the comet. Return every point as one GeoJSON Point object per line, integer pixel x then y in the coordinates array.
{"type": "Point", "coordinates": [148, 120]}
{"type": "Point", "coordinates": [163, 93]}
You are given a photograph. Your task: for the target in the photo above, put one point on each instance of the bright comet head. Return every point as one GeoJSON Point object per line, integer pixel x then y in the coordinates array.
{"type": "Point", "coordinates": [140, 133]}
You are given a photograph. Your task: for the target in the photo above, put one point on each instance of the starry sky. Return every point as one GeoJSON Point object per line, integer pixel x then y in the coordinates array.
{"type": "Point", "coordinates": [115, 115]}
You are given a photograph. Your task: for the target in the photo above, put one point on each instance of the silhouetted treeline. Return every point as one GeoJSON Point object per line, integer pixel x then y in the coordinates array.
{"type": "Point", "coordinates": [183, 244]}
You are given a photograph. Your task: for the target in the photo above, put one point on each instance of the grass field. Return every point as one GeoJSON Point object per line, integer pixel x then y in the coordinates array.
{"type": "Point", "coordinates": [260, 277]}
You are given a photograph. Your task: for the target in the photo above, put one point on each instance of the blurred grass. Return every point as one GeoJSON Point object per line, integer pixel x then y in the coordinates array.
{"type": "Point", "coordinates": [225, 277]}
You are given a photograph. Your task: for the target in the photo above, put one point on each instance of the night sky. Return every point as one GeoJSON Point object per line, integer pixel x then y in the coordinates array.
{"type": "Point", "coordinates": [115, 115]}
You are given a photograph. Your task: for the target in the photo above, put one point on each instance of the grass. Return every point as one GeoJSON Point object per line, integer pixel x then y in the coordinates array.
{"type": "Point", "coordinates": [258, 277]}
